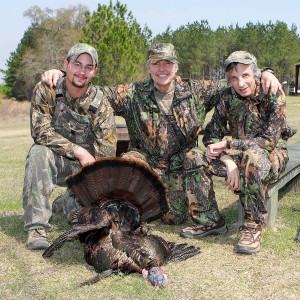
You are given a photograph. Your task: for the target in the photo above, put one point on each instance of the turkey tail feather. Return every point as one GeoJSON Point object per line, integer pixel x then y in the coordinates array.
{"type": "Point", "coordinates": [182, 252]}
{"type": "Point", "coordinates": [110, 174]}
{"type": "Point", "coordinates": [99, 277]}
{"type": "Point", "coordinates": [60, 241]}
{"type": "Point", "coordinates": [69, 235]}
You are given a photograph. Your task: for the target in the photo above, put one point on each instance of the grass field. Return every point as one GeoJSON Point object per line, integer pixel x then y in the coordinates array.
{"type": "Point", "coordinates": [217, 273]}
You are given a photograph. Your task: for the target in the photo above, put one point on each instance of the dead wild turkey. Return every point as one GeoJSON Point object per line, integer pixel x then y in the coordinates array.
{"type": "Point", "coordinates": [118, 195]}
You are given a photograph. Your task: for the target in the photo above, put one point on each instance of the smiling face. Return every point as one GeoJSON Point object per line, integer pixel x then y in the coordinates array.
{"type": "Point", "coordinates": [242, 79]}
{"type": "Point", "coordinates": [79, 74]}
{"type": "Point", "coordinates": [163, 73]}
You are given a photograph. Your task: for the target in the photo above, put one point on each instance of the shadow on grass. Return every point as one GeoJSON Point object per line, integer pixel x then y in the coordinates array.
{"type": "Point", "coordinates": [230, 238]}
{"type": "Point", "coordinates": [289, 217]}
{"type": "Point", "coordinates": [71, 253]}
{"type": "Point", "coordinates": [12, 225]}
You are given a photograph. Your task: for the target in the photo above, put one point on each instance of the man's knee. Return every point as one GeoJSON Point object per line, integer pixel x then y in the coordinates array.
{"type": "Point", "coordinates": [194, 159]}
{"type": "Point", "coordinates": [256, 159]}
{"type": "Point", "coordinates": [39, 153]}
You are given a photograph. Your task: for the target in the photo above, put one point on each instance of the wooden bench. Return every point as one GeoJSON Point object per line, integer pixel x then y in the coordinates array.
{"type": "Point", "coordinates": [289, 179]}
{"type": "Point", "coordinates": [123, 139]}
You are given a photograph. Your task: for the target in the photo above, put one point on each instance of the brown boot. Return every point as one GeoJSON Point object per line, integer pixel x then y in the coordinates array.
{"type": "Point", "coordinates": [249, 242]}
{"type": "Point", "coordinates": [37, 239]}
{"type": "Point", "coordinates": [201, 231]}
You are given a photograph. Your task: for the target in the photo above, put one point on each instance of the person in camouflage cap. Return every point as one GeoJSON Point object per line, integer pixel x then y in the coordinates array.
{"type": "Point", "coordinates": [254, 156]}
{"type": "Point", "coordinates": [162, 52]}
{"type": "Point", "coordinates": [164, 116]}
{"type": "Point", "coordinates": [71, 125]}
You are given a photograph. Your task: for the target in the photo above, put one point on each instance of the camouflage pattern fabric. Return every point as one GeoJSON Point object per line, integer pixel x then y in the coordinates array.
{"type": "Point", "coordinates": [257, 127]}
{"type": "Point", "coordinates": [81, 48]}
{"type": "Point", "coordinates": [202, 203]}
{"type": "Point", "coordinates": [47, 126]}
{"type": "Point", "coordinates": [65, 204]}
{"type": "Point", "coordinates": [242, 57]}
{"type": "Point", "coordinates": [184, 192]}
{"type": "Point", "coordinates": [44, 168]}
{"type": "Point", "coordinates": [58, 126]}
{"type": "Point", "coordinates": [161, 51]}
{"type": "Point", "coordinates": [164, 140]}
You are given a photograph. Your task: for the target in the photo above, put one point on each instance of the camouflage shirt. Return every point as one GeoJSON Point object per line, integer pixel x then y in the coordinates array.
{"type": "Point", "coordinates": [162, 138]}
{"type": "Point", "coordinates": [98, 135]}
{"type": "Point", "coordinates": [258, 121]}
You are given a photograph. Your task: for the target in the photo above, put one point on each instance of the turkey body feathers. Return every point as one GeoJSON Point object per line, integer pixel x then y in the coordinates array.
{"type": "Point", "coordinates": [118, 195]}
{"type": "Point", "coordinates": [111, 244]}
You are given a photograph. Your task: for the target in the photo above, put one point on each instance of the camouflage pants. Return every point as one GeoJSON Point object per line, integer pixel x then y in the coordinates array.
{"type": "Point", "coordinates": [257, 168]}
{"type": "Point", "coordinates": [44, 168]}
{"type": "Point", "coordinates": [184, 192]}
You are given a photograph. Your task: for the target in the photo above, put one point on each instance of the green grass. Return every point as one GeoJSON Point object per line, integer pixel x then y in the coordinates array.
{"type": "Point", "coordinates": [217, 273]}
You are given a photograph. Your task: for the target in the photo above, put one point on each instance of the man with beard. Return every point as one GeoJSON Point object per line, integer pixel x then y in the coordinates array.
{"type": "Point", "coordinates": [71, 126]}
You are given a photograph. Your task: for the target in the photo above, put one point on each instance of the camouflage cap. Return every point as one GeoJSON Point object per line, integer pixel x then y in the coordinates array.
{"type": "Point", "coordinates": [242, 57]}
{"type": "Point", "coordinates": [81, 48]}
{"type": "Point", "coordinates": [161, 51]}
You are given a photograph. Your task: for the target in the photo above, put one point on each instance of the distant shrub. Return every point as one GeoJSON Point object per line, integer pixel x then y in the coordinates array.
{"type": "Point", "coordinates": [4, 90]}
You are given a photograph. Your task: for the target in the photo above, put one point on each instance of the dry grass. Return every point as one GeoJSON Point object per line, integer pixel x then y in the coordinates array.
{"type": "Point", "coordinates": [217, 273]}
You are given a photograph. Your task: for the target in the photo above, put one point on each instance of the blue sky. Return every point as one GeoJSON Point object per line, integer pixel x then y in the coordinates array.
{"type": "Point", "coordinates": [157, 14]}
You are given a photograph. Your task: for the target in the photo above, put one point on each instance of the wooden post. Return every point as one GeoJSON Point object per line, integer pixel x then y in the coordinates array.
{"type": "Point", "coordinates": [296, 78]}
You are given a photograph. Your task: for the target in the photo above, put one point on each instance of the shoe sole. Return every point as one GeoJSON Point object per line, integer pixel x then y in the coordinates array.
{"type": "Point", "coordinates": [215, 231]}
{"type": "Point", "coordinates": [247, 250]}
{"type": "Point", "coordinates": [38, 246]}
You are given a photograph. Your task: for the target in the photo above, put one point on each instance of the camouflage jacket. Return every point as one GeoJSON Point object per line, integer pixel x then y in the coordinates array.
{"type": "Point", "coordinates": [258, 121]}
{"type": "Point", "coordinates": [162, 139]}
{"type": "Point", "coordinates": [95, 128]}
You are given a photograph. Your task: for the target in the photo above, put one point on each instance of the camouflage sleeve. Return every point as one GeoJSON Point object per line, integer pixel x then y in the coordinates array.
{"type": "Point", "coordinates": [104, 128]}
{"type": "Point", "coordinates": [216, 128]}
{"type": "Point", "coordinates": [271, 132]}
{"type": "Point", "coordinates": [41, 112]}
{"type": "Point", "coordinates": [207, 92]}
{"type": "Point", "coordinates": [276, 112]}
{"type": "Point", "coordinates": [118, 97]}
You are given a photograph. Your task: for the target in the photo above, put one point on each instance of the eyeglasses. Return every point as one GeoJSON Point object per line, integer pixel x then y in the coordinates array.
{"type": "Point", "coordinates": [78, 66]}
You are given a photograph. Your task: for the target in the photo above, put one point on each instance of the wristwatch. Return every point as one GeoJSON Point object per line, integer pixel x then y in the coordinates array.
{"type": "Point", "coordinates": [267, 69]}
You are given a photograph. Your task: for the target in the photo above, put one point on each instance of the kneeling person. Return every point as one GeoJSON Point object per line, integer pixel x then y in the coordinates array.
{"type": "Point", "coordinates": [71, 126]}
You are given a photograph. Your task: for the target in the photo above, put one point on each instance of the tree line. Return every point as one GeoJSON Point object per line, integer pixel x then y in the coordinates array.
{"type": "Point", "coordinates": [122, 46]}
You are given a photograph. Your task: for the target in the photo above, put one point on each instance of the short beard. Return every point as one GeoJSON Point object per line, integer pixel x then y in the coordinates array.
{"type": "Point", "coordinates": [79, 85]}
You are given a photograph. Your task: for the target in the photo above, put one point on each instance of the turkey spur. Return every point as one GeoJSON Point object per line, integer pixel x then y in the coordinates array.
{"type": "Point", "coordinates": [118, 195]}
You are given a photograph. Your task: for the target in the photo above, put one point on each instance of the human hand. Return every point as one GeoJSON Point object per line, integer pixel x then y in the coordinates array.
{"type": "Point", "coordinates": [84, 157]}
{"type": "Point", "coordinates": [233, 174]}
{"type": "Point", "coordinates": [51, 77]}
{"type": "Point", "coordinates": [214, 150]}
{"type": "Point", "coordinates": [133, 157]}
{"type": "Point", "coordinates": [270, 83]}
